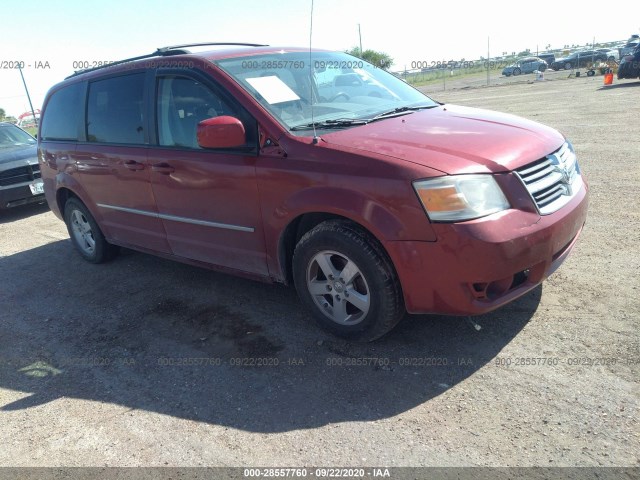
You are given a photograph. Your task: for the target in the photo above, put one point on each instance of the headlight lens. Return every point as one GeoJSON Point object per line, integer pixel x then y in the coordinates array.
{"type": "Point", "coordinates": [460, 197]}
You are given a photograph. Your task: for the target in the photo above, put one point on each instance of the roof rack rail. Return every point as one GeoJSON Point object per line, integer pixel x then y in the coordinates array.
{"type": "Point", "coordinates": [163, 49]}
{"type": "Point", "coordinates": [165, 52]}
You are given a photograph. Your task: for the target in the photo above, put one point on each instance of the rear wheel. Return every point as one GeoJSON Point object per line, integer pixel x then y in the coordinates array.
{"type": "Point", "coordinates": [85, 234]}
{"type": "Point", "coordinates": [567, 66]}
{"type": "Point", "coordinates": [344, 277]}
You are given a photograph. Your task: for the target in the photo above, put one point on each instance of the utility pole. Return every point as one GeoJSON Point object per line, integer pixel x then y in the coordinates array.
{"type": "Point", "coordinates": [360, 36]}
{"type": "Point", "coordinates": [28, 96]}
{"type": "Point", "coordinates": [488, 60]}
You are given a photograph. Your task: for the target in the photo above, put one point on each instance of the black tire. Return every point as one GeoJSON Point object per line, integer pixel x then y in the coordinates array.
{"type": "Point", "coordinates": [516, 72]}
{"type": "Point", "coordinates": [340, 242]}
{"type": "Point", "coordinates": [86, 236]}
{"type": "Point", "coordinates": [567, 66]}
{"type": "Point", "coordinates": [542, 68]}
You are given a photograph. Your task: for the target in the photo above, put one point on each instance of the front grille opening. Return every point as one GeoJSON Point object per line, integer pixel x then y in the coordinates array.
{"type": "Point", "coordinates": [23, 174]}
{"type": "Point", "coordinates": [549, 180]}
{"type": "Point", "coordinates": [493, 290]}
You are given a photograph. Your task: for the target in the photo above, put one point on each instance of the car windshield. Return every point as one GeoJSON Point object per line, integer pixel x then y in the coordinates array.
{"type": "Point", "coordinates": [343, 90]}
{"type": "Point", "coordinates": [11, 136]}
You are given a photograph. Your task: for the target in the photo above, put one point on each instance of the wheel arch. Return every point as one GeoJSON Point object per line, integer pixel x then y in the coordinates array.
{"type": "Point", "coordinates": [67, 187]}
{"type": "Point", "coordinates": [302, 224]}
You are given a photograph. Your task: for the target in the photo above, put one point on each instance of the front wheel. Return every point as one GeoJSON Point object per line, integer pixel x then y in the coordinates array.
{"type": "Point", "coordinates": [85, 234]}
{"type": "Point", "coordinates": [516, 71]}
{"type": "Point", "coordinates": [567, 66]}
{"type": "Point", "coordinates": [344, 277]}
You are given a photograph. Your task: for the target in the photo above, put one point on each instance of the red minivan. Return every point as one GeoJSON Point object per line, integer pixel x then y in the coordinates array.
{"type": "Point", "coordinates": [313, 168]}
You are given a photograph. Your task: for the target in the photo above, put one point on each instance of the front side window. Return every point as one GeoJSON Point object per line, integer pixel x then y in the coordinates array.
{"type": "Point", "coordinates": [62, 114]}
{"type": "Point", "coordinates": [183, 103]}
{"type": "Point", "coordinates": [115, 110]}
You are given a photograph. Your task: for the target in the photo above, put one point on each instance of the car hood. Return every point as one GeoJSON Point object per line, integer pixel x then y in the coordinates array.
{"type": "Point", "coordinates": [454, 139]}
{"type": "Point", "coordinates": [28, 153]}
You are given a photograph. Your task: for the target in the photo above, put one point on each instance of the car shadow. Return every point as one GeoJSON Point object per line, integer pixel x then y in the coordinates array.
{"type": "Point", "coordinates": [22, 212]}
{"type": "Point", "coordinates": [155, 335]}
{"type": "Point", "coordinates": [620, 85]}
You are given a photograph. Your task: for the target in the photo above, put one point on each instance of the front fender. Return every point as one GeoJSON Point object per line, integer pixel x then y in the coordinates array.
{"type": "Point", "coordinates": [382, 221]}
{"type": "Point", "coordinates": [397, 221]}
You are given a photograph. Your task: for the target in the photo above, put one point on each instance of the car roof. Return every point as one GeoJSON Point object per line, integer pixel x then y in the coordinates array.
{"type": "Point", "coordinates": [223, 51]}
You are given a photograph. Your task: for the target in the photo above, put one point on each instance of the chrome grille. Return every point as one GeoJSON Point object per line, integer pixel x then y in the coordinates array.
{"type": "Point", "coordinates": [553, 180]}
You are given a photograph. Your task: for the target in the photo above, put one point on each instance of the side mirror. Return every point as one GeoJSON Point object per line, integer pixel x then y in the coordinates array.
{"type": "Point", "coordinates": [221, 132]}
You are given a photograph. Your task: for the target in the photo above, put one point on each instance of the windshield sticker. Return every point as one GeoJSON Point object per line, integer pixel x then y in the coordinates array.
{"type": "Point", "coordinates": [272, 89]}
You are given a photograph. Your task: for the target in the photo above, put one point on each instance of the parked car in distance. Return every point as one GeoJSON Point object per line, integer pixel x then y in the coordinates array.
{"type": "Point", "coordinates": [525, 65]}
{"type": "Point", "coordinates": [582, 59]}
{"type": "Point", "coordinates": [547, 57]}
{"type": "Point", "coordinates": [612, 54]}
{"type": "Point", "coordinates": [629, 66]}
{"type": "Point", "coordinates": [20, 181]}
{"type": "Point", "coordinates": [334, 84]}
{"type": "Point", "coordinates": [370, 206]}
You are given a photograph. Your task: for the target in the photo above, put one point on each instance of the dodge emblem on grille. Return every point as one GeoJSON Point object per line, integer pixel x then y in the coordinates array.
{"type": "Point", "coordinates": [565, 170]}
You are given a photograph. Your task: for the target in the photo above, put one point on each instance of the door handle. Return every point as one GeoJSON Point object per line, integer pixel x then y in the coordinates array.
{"type": "Point", "coordinates": [133, 165]}
{"type": "Point", "coordinates": [163, 168]}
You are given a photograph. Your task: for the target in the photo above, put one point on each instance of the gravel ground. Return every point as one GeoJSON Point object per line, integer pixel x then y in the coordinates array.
{"type": "Point", "coordinates": [135, 362]}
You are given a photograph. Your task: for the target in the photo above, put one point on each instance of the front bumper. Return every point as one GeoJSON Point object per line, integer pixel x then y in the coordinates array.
{"type": "Point", "coordinates": [477, 266]}
{"type": "Point", "coordinates": [19, 194]}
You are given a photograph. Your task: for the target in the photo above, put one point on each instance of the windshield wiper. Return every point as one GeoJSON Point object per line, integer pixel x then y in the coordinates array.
{"type": "Point", "coordinates": [400, 111]}
{"type": "Point", "coordinates": [348, 122]}
{"type": "Point", "coordinates": [338, 123]}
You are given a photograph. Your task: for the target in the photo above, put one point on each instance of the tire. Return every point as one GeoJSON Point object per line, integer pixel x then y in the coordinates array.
{"type": "Point", "coordinates": [567, 66]}
{"type": "Point", "coordinates": [542, 68]}
{"type": "Point", "coordinates": [86, 236]}
{"type": "Point", "coordinates": [516, 71]}
{"type": "Point", "coordinates": [369, 294]}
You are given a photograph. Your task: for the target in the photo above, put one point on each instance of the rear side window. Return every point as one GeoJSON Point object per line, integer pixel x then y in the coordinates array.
{"type": "Point", "coordinates": [61, 116]}
{"type": "Point", "coordinates": [115, 110]}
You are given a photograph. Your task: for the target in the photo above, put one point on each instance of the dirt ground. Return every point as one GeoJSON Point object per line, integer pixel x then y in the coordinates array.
{"type": "Point", "coordinates": [143, 362]}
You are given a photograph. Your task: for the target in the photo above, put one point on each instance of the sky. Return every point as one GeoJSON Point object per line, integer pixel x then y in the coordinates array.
{"type": "Point", "coordinates": [53, 35]}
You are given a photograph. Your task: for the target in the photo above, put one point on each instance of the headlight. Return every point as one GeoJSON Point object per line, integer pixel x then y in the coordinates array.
{"type": "Point", "coordinates": [460, 197]}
